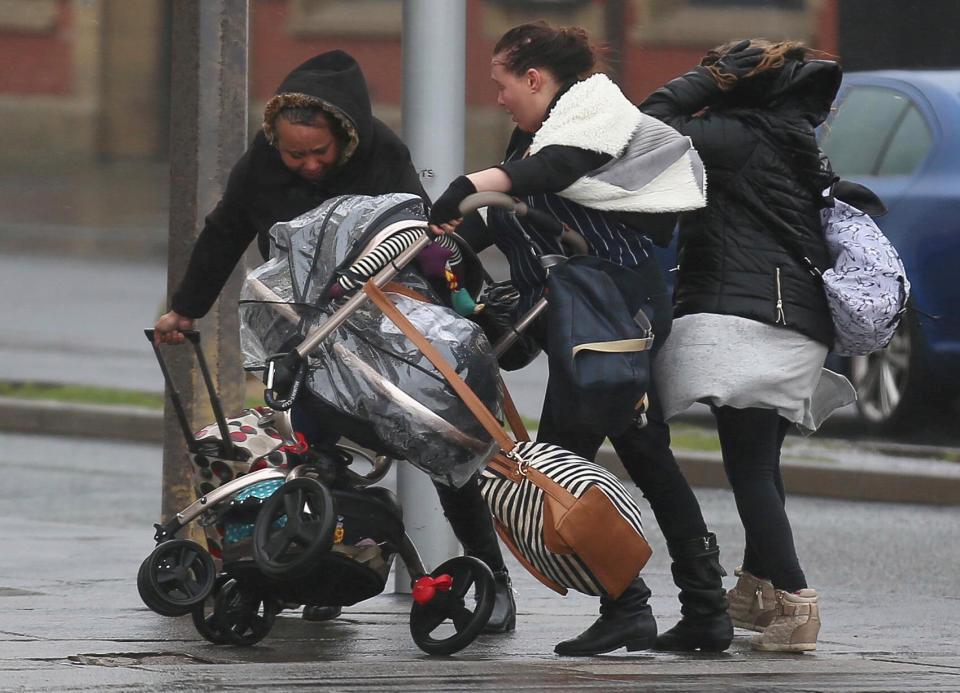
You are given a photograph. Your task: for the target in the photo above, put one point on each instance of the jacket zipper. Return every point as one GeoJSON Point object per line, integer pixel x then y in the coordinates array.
{"type": "Point", "coordinates": [781, 316]}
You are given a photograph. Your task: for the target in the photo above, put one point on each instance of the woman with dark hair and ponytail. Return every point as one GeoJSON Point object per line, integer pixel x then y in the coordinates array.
{"type": "Point", "coordinates": [752, 326]}
{"type": "Point", "coordinates": [572, 121]}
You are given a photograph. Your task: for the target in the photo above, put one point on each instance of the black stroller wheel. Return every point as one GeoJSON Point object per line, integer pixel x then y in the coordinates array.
{"type": "Point", "coordinates": [204, 618]}
{"type": "Point", "coordinates": [451, 606]}
{"type": "Point", "coordinates": [242, 616]}
{"type": "Point", "coordinates": [149, 596]}
{"type": "Point", "coordinates": [293, 529]}
{"type": "Point", "coordinates": [177, 575]}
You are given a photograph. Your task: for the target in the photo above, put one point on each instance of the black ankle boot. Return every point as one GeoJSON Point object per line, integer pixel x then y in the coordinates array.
{"type": "Point", "coordinates": [705, 624]}
{"type": "Point", "coordinates": [626, 621]}
{"type": "Point", "coordinates": [320, 613]}
{"type": "Point", "coordinates": [472, 523]}
{"type": "Point", "coordinates": [503, 619]}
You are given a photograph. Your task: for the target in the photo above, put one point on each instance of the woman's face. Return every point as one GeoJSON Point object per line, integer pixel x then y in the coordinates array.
{"type": "Point", "coordinates": [310, 151]}
{"type": "Point", "coordinates": [520, 95]}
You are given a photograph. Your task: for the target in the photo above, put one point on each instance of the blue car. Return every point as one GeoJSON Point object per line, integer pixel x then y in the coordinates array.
{"type": "Point", "coordinates": [898, 133]}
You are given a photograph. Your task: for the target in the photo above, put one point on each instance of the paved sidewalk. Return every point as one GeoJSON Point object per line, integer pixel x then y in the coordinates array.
{"type": "Point", "coordinates": [72, 620]}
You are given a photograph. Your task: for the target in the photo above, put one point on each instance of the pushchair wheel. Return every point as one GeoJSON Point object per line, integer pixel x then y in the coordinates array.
{"type": "Point", "coordinates": [242, 616]}
{"type": "Point", "coordinates": [149, 597]}
{"type": "Point", "coordinates": [204, 618]}
{"type": "Point", "coordinates": [447, 610]}
{"type": "Point", "coordinates": [176, 576]}
{"type": "Point", "coordinates": [293, 529]}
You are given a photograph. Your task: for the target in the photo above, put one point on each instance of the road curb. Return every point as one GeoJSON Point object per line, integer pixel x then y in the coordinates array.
{"type": "Point", "coordinates": [820, 480]}
{"type": "Point", "coordinates": [141, 425]}
{"type": "Point", "coordinates": [132, 424]}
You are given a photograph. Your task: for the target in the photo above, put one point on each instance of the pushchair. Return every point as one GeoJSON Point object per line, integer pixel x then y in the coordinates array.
{"type": "Point", "coordinates": [291, 522]}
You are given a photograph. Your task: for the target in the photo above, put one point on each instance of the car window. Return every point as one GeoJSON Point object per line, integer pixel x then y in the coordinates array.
{"type": "Point", "coordinates": [856, 136]}
{"type": "Point", "coordinates": [909, 145]}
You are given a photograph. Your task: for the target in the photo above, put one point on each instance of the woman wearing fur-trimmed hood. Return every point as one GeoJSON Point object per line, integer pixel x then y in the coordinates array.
{"type": "Point", "coordinates": [319, 139]}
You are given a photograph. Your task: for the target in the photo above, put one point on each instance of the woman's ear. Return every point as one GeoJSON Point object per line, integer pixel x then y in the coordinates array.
{"type": "Point", "coordinates": [534, 79]}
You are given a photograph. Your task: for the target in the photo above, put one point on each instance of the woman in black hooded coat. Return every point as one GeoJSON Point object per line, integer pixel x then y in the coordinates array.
{"type": "Point", "coordinates": [751, 324]}
{"type": "Point", "coordinates": [319, 140]}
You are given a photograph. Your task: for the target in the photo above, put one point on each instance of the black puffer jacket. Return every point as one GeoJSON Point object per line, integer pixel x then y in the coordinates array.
{"type": "Point", "coordinates": [261, 190]}
{"type": "Point", "coordinates": [765, 183]}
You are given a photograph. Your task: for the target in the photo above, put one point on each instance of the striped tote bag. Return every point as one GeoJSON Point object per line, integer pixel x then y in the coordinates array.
{"type": "Point", "coordinates": [568, 521]}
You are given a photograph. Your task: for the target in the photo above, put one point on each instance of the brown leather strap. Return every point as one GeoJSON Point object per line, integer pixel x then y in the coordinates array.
{"type": "Point", "coordinates": [513, 416]}
{"type": "Point", "coordinates": [468, 396]}
{"type": "Point", "coordinates": [509, 407]}
{"type": "Point", "coordinates": [404, 290]}
{"type": "Point", "coordinates": [551, 488]}
{"type": "Point", "coordinates": [508, 468]}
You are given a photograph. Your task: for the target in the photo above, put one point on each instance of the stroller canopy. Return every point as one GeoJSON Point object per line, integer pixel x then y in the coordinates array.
{"type": "Point", "coordinates": [368, 380]}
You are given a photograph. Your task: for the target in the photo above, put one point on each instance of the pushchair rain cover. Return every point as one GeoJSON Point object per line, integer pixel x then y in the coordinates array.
{"type": "Point", "coordinates": [367, 370]}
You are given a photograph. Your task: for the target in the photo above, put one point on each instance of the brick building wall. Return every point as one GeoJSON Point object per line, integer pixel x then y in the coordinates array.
{"type": "Point", "coordinates": [87, 79]}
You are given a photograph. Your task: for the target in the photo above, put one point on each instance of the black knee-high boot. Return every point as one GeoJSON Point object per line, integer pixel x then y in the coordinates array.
{"type": "Point", "coordinates": [470, 518]}
{"type": "Point", "coordinates": [705, 624]}
{"type": "Point", "coordinates": [626, 621]}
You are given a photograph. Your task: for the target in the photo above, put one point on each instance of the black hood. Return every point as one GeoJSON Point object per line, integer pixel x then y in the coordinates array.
{"type": "Point", "coordinates": [374, 161]}
{"type": "Point", "coordinates": [810, 87]}
{"type": "Point", "coordinates": [805, 88]}
{"type": "Point", "coordinates": [335, 79]}
{"type": "Point", "coordinates": [786, 105]}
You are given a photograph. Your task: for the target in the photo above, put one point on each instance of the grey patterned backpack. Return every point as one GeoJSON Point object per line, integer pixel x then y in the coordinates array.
{"type": "Point", "coordinates": [867, 287]}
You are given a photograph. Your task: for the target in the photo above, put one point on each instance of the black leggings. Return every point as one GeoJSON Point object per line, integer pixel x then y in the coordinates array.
{"type": "Point", "coordinates": [750, 440]}
{"type": "Point", "coordinates": [646, 455]}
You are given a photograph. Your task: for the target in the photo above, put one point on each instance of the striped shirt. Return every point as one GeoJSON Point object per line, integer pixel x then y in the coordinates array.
{"type": "Point", "coordinates": [523, 244]}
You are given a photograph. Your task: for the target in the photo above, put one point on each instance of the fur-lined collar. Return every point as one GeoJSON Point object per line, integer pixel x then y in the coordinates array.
{"type": "Point", "coordinates": [593, 114]}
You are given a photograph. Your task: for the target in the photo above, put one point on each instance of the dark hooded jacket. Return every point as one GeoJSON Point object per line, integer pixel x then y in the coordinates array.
{"type": "Point", "coordinates": [765, 183]}
{"type": "Point", "coordinates": [262, 191]}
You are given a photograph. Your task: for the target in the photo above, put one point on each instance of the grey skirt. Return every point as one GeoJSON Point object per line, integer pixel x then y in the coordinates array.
{"type": "Point", "coordinates": [726, 360]}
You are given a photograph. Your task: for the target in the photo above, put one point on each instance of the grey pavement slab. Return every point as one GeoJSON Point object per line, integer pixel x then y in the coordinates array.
{"type": "Point", "coordinates": [77, 515]}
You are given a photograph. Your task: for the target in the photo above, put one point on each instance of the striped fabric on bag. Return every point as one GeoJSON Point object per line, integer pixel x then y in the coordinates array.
{"type": "Point", "coordinates": [519, 508]}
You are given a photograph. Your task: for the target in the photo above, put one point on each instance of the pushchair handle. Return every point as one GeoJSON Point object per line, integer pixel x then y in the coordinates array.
{"type": "Point", "coordinates": [471, 203]}
{"type": "Point", "coordinates": [193, 336]}
{"type": "Point", "coordinates": [573, 241]}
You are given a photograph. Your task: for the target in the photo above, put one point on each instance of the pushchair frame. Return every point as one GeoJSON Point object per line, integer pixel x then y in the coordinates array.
{"type": "Point", "coordinates": [437, 595]}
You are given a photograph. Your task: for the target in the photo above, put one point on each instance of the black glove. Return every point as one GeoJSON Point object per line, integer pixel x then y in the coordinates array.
{"type": "Point", "coordinates": [740, 60]}
{"type": "Point", "coordinates": [447, 206]}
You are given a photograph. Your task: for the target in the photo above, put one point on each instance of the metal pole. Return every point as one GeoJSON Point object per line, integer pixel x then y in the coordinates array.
{"type": "Point", "coordinates": [208, 127]}
{"type": "Point", "coordinates": [434, 75]}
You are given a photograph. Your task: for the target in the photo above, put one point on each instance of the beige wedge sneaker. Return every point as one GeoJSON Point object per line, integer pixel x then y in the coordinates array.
{"type": "Point", "coordinates": [795, 626]}
{"type": "Point", "coordinates": [752, 602]}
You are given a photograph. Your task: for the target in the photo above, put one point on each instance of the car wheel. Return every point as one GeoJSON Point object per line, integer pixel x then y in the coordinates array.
{"type": "Point", "coordinates": [892, 385]}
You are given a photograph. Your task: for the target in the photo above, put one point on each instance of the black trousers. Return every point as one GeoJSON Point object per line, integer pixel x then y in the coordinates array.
{"type": "Point", "coordinates": [646, 455]}
{"type": "Point", "coordinates": [645, 452]}
{"type": "Point", "coordinates": [750, 441]}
